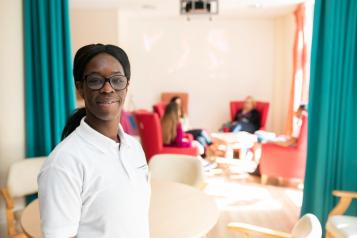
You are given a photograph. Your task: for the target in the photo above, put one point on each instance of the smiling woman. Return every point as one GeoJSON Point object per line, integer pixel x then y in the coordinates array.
{"type": "Point", "coordinates": [94, 183]}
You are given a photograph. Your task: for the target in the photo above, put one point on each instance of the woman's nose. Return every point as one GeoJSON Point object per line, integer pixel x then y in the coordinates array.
{"type": "Point", "coordinates": [107, 88]}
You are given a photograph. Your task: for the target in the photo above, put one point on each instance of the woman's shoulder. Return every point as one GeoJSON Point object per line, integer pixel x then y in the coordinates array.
{"type": "Point", "coordinates": [66, 154]}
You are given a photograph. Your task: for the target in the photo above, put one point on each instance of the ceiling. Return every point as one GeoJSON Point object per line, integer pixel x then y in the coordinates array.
{"type": "Point", "coordinates": [236, 8]}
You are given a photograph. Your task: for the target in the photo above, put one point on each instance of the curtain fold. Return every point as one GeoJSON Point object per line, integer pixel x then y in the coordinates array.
{"type": "Point", "coordinates": [332, 150]}
{"type": "Point", "coordinates": [49, 87]}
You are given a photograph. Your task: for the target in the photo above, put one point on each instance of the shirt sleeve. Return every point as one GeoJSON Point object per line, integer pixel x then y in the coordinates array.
{"type": "Point", "coordinates": [179, 140]}
{"type": "Point", "coordinates": [60, 203]}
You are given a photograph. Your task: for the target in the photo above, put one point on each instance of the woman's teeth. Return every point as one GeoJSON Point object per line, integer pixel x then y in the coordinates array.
{"type": "Point", "coordinates": [107, 102]}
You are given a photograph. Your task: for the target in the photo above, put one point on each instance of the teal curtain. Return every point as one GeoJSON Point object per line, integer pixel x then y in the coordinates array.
{"type": "Point", "coordinates": [332, 141]}
{"type": "Point", "coordinates": [49, 86]}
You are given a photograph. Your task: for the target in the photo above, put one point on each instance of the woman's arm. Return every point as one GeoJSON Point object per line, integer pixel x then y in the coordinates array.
{"type": "Point", "coordinates": [255, 118]}
{"type": "Point", "coordinates": [180, 137]}
{"type": "Point", "coordinates": [237, 117]}
{"type": "Point", "coordinates": [60, 202]}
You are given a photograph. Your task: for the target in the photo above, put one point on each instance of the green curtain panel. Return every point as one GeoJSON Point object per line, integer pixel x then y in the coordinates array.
{"type": "Point", "coordinates": [332, 142]}
{"type": "Point", "coordinates": [49, 85]}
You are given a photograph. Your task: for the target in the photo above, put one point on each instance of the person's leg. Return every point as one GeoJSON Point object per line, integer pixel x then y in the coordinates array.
{"type": "Point", "coordinates": [236, 127]}
{"type": "Point", "coordinates": [194, 132]}
{"type": "Point", "coordinates": [246, 126]}
{"type": "Point", "coordinates": [206, 137]}
{"type": "Point", "coordinates": [201, 136]}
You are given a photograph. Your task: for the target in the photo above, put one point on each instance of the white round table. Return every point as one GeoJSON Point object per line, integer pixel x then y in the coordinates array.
{"type": "Point", "coordinates": [176, 211]}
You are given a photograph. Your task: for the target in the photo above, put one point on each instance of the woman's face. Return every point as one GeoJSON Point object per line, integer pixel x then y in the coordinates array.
{"type": "Point", "coordinates": [106, 103]}
{"type": "Point", "coordinates": [248, 104]}
{"type": "Point", "coordinates": [178, 101]}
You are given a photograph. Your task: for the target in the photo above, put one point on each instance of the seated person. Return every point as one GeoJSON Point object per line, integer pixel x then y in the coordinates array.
{"type": "Point", "coordinates": [246, 119]}
{"type": "Point", "coordinates": [291, 140]}
{"type": "Point", "coordinates": [199, 135]}
{"type": "Point", "coordinates": [172, 132]}
{"type": "Point", "coordinates": [182, 116]}
{"type": "Point", "coordinates": [284, 140]}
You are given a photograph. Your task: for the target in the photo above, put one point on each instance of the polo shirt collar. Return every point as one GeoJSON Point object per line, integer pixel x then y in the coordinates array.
{"type": "Point", "coordinates": [99, 140]}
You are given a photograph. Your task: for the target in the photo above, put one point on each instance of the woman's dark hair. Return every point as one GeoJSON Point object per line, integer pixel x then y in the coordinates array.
{"type": "Point", "coordinates": [172, 107]}
{"type": "Point", "coordinates": [81, 59]}
{"type": "Point", "coordinates": [169, 122]}
{"type": "Point", "coordinates": [302, 107]}
{"type": "Point", "coordinates": [174, 98]}
{"type": "Point", "coordinates": [73, 122]}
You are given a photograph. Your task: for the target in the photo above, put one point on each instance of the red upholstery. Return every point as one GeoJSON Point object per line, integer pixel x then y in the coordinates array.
{"type": "Point", "coordinates": [262, 107]}
{"type": "Point", "coordinates": [159, 109]}
{"type": "Point", "coordinates": [151, 139]}
{"type": "Point", "coordinates": [286, 162]}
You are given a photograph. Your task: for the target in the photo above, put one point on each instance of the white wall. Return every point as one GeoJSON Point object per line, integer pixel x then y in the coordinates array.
{"type": "Point", "coordinates": [214, 61]}
{"type": "Point", "coordinates": [12, 134]}
{"type": "Point", "coordinates": [90, 26]}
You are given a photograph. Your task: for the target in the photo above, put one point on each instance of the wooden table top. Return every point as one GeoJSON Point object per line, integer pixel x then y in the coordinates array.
{"type": "Point", "coordinates": [243, 138]}
{"type": "Point", "coordinates": [176, 211]}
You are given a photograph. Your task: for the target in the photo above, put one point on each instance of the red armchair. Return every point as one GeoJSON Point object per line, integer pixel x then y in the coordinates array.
{"type": "Point", "coordinates": [151, 137]}
{"type": "Point", "coordinates": [159, 108]}
{"type": "Point", "coordinates": [285, 162]}
{"type": "Point", "coordinates": [262, 107]}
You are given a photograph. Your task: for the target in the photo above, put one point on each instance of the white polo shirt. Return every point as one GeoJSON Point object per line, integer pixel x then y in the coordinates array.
{"type": "Point", "coordinates": [90, 186]}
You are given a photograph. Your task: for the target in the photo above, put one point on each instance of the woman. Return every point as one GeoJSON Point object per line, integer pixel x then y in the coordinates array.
{"type": "Point", "coordinates": [182, 115]}
{"type": "Point", "coordinates": [94, 183]}
{"type": "Point", "coordinates": [172, 132]}
{"type": "Point", "coordinates": [291, 140]}
{"type": "Point", "coordinates": [248, 118]}
{"type": "Point", "coordinates": [199, 135]}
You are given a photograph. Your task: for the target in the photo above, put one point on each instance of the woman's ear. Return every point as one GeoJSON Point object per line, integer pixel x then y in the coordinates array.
{"type": "Point", "coordinates": [79, 87]}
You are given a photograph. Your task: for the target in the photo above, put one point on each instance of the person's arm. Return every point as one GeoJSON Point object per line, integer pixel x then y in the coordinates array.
{"type": "Point", "coordinates": [180, 136]}
{"type": "Point", "coordinates": [238, 115]}
{"type": "Point", "coordinates": [255, 119]}
{"type": "Point", "coordinates": [60, 202]}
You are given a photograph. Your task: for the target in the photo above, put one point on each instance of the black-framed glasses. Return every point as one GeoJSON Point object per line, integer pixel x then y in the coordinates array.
{"type": "Point", "coordinates": [96, 82]}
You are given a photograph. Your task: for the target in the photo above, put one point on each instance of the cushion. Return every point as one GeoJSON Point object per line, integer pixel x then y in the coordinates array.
{"type": "Point", "coordinates": [342, 226]}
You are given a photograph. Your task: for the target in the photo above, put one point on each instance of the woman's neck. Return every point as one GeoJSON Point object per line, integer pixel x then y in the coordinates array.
{"type": "Point", "coordinates": [106, 128]}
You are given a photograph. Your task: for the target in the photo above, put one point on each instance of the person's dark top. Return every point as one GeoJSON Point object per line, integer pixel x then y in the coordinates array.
{"type": "Point", "coordinates": [252, 117]}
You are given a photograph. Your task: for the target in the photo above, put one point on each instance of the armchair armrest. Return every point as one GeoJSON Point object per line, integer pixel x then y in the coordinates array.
{"type": "Point", "coordinates": [342, 194]}
{"type": "Point", "coordinates": [9, 202]}
{"type": "Point", "coordinates": [273, 146]}
{"type": "Point", "coordinates": [249, 230]}
{"type": "Point", "coordinates": [176, 150]}
{"type": "Point", "coordinates": [188, 137]}
{"type": "Point", "coordinates": [8, 199]}
{"type": "Point", "coordinates": [345, 201]}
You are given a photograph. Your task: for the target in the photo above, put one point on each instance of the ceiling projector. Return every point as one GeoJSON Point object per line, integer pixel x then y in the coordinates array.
{"type": "Point", "coordinates": [198, 7]}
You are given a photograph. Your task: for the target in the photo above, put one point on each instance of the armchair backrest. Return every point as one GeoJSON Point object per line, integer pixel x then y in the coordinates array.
{"type": "Point", "coordinates": [307, 226]}
{"type": "Point", "coordinates": [177, 168]}
{"type": "Point", "coordinates": [22, 178]}
{"type": "Point", "coordinates": [262, 108]}
{"type": "Point", "coordinates": [159, 108]}
{"type": "Point", "coordinates": [150, 132]}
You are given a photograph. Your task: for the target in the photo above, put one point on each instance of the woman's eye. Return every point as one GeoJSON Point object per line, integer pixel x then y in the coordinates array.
{"type": "Point", "coordinates": [118, 80]}
{"type": "Point", "coordinates": [94, 80]}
